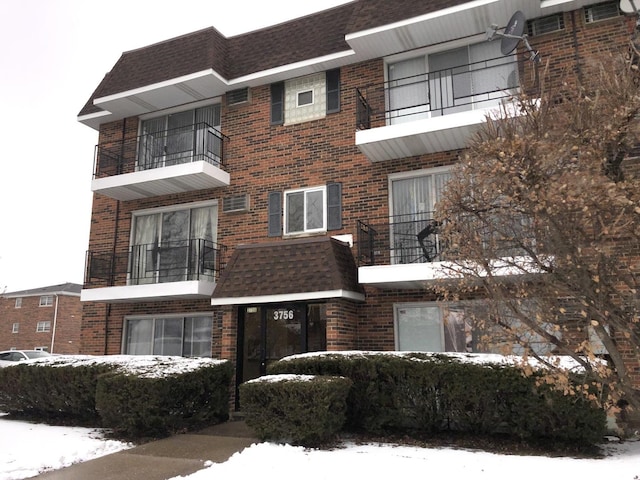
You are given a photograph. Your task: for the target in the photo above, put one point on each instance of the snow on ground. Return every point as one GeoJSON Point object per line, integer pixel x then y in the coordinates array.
{"type": "Point", "coordinates": [28, 449]}
{"type": "Point", "coordinates": [269, 461]}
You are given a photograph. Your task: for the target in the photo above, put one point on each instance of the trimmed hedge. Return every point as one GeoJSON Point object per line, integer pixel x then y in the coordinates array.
{"type": "Point", "coordinates": [149, 406]}
{"type": "Point", "coordinates": [51, 390]}
{"type": "Point", "coordinates": [135, 396]}
{"type": "Point", "coordinates": [300, 409]}
{"type": "Point", "coordinates": [425, 393]}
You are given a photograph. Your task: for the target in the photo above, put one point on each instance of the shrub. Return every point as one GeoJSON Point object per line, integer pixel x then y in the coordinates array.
{"type": "Point", "coordinates": [305, 410]}
{"type": "Point", "coordinates": [52, 390]}
{"type": "Point", "coordinates": [151, 405]}
{"type": "Point", "coordinates": [427, 393]}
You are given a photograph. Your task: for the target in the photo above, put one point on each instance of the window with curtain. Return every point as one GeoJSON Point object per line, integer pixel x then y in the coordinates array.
{"type": "Point", "coordinates": [191, 135]}
{"type": "Point", "coordinates": [173, 245]}
{"type": "Point", "coordinates": [187, 336]}
{"type": "Point", "coordinates": [456, 80]}
{"type": "Point", "coordinates": [465, 326]}
{"type": "Point", "coordinates": [413, 203]}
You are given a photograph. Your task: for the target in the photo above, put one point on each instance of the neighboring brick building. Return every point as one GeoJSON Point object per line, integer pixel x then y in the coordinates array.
{"type": "Point", "coordinates": [271, 193]}
{"type": "Point", "coordinates": [47, 318]}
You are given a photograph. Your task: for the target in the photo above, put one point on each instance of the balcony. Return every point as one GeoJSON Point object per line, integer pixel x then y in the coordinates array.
{"type": "Point", "coordinates": [172, 161]}
{"type": "Point", "coordinates": [432, 112]}
{"type": "Point", "coordinates": [407, 252]}
{"type": "Point", "coordinates": [165, 271]}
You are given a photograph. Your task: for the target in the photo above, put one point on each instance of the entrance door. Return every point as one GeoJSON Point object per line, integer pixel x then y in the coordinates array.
{"type": "Point", "coordinates": [268, 333]}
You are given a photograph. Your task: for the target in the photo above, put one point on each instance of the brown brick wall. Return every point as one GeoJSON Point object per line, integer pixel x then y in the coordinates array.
{"type": "Point", "coordinates": [261, 158]}
{"type": "Point", "coordinates": [66, 324]}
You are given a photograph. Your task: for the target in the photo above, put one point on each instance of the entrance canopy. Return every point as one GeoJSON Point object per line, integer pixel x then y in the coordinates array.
{"type": "Point", "coordinates": [291, 270]}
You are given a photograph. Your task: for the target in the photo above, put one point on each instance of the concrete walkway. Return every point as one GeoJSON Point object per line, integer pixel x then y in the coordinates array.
{"type": "Point", "coordinates": [178, 455]}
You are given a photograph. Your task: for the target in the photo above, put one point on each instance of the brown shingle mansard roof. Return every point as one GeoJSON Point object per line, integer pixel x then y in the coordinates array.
{"type": "Point", "coordinates": [312, 36]}
{"type": "Point", "coordinates": [305, 266]}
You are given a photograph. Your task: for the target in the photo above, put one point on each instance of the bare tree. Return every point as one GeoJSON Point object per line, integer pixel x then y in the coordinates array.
{"type": "Point", "coordinates": [542, 217]}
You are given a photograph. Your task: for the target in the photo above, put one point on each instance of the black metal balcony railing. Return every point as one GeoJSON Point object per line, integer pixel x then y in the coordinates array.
{"type": "Point", "coordinates": [416, 238]}
{"type": "Point", "coordinates": [399, 239]}
{"type": "Point", "coordinates": [476, 85]}
{"type": "Point", "coordinates": [182, 260]}
{"type": "Point", "coordinates": [192, 143]}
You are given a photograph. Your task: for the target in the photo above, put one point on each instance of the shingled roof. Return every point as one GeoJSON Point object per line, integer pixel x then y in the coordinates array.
{"type": "Point", "coordinates": [72, 289]}
{"type": "Point", "coordinates": [312, 36]}
{"type": "Point", "coordinates": [303, 269]}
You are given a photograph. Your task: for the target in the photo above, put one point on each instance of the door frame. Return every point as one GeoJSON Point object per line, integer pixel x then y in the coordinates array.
{"type": "Point", "coordinates": [262, 308]}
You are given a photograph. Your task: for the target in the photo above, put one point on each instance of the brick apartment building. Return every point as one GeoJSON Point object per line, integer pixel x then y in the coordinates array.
{"type": "Point", "coordinates": [239, 181]}
{"type": "Point", "coordinates": [47, 318]}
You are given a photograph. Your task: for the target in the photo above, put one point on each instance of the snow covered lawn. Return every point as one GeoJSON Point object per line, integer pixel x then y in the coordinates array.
{"type": "Point", "coordinates": [27, 449]}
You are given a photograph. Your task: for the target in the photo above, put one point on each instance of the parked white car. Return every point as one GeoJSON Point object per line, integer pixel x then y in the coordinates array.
{"type": "Point", "coordinates": [11, 357]}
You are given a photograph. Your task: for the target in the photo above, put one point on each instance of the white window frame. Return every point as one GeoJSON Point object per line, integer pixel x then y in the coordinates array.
{"type": "Point", "coordinates": [301, 92]}
{"type": "Point", "coordinates": [43, 326]}
{"type": "Point", "coordinates": [18, 302]}
{"type": "Point", "coordinates": [425, 52]}
{"type": "Point", "coordinates": [15, 328]}
{"type": "Point", "coordinates": [171, 111]}
{"type": "Point", "coordinates": [172, 208]}
{"type": "Point", "coordinates": [153, 319]}
{"type": "Point", "coordinates": [305, 191]}
{"type": "Point", "coordinates": [396, 325]}
{"type": "Point", "coordinates": [46, 301]}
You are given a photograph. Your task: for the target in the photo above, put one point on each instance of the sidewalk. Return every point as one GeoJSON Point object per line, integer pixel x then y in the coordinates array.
{"type": "Point", "coordinates": [177, 455]}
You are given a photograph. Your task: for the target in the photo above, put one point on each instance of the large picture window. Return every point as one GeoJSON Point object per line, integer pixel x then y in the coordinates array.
{"type": "Point", "coordinates": [188, 336]}
{"type": "Point", "coordinates": [414, 196]}
{"type": "Point", "coordinates": [173, 245]}
{"type": "Point", "coordinates": [182, 137]}
{"type": "Point", "coordinates": [456, 80]}
{"type": "Point", "coordinates": [466, 326]}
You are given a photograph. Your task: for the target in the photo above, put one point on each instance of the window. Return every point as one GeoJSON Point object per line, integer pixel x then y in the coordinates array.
{"type": "Point", "coordinates": [457, 80]}
{"type": "Point", "coordinates": [181, 137]}
{"type": "Point", "coordinates": [601, 11]}
{"type": "Point", "coordinates": [182, 336]}
{"type": "Point", "coordinates": [306, 210]}
{"type": "Point", "coordinates": [413, 202]}
{"type": "Point", "coordinates": [15, 328]}
{"type": "Point", "coordinates": [18, 302]}
{"type": "Point", "coordinates": [46, 300]}
{"type": "Point", "coordinates": [173, 245]}
{"type": "Point", "coordinates": [461, 327]}
{"type": "Point", "coordinates": [43, 327]}
{"type": "Point", "coordinates": [305, 98]}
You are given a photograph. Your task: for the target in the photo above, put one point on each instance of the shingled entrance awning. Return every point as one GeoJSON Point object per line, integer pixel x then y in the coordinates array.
{"type": "Point", "coordinates": [292, 270]}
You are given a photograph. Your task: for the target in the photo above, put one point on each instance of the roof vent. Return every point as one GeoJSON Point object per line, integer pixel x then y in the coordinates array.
{"type": "Point", "coordinates": [236, 203]}
{"type": "Point", "coordinates": [240, 95]}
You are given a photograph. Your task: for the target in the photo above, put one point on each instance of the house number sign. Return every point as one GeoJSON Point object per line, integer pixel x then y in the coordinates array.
{"type": "Point", "coordinates": [283, 314]}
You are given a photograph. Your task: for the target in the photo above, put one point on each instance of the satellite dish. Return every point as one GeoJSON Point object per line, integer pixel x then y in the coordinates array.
{"type": "Point", "coordinates": [629, 6]}
{"type": "Point", "coordinates": [513, 34]}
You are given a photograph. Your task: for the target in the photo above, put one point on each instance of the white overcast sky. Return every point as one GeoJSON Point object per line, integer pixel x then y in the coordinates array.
{"type": "Point", "coordinates": [53, 54]}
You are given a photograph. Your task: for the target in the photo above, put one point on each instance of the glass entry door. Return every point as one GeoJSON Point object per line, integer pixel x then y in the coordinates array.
{"type": "Point", "coordinates": [267, 333]}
